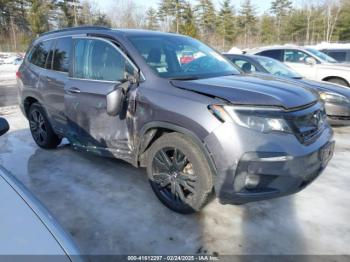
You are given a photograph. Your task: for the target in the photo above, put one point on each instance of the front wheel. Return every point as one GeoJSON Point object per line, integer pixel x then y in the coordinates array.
{"type": "Point", "coordinates": [179, 173]}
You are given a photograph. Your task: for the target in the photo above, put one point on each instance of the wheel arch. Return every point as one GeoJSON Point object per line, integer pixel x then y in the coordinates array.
{"type": "Point", "coordinates": [336, 77]}
{"type": "Point", "coordinates": [27, 102]}
{"type": "Point", "coordinates": [150, 132]}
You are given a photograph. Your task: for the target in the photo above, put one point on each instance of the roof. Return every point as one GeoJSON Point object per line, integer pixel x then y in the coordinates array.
{"type": "Point", "coordinates": [102, 30]}
{"type": "Point", "coordinates": [274, 47]}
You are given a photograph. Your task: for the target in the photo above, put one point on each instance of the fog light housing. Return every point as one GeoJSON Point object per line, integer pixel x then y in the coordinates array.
{"type": "Point", "coordinates": [251, 181]}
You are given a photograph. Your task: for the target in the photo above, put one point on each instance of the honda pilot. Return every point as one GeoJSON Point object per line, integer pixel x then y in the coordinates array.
{"type": "Point", "coordinates": [199, 128]}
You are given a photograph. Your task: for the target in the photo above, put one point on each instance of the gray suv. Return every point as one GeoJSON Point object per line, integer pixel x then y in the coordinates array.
{"type": "Point", "coordinates": [198, 126]}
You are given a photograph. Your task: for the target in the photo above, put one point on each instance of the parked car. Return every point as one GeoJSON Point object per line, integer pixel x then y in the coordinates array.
{"type": "Point", "coordinates": [308, 62]}
{"type": "Point", "coordinates": [26, 227]}
{"type": "Point", "coordinates": [338, 51]}
{"type": "Point", "coordinates": [336, 97]}
{"type": "Point", "coordinates": [197, 127]}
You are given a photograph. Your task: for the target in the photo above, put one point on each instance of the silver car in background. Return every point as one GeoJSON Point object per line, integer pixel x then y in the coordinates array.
{"type": "Point", "coordinates": [27, 228]}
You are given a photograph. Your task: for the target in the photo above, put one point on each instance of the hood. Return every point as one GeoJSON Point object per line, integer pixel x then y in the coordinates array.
{"type": "Point", "coordinates": [326, 86]}
{"type": "Point", "coordinates": [251, 90]}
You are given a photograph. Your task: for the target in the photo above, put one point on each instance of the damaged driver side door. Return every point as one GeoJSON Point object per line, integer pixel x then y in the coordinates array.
{"type": "Point", "coordinates": [99, 68]}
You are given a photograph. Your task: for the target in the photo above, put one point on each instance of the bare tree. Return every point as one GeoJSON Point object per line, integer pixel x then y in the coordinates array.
{"type": "Point", "coordinates": [126, 14]}
{"type": "Point", "coordinates": [332, 10]}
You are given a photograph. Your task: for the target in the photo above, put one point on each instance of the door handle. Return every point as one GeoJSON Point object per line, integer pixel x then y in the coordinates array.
{"type": "Point", "coordinates": [73, 90]}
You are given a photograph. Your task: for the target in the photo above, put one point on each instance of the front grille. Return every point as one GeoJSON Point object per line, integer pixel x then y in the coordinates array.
{"type": "Point", "coordinates": [307, 127]}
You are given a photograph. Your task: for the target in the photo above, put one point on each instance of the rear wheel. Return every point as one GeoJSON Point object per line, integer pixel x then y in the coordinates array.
{"type": "Point", "coordinates": [41, 129]}
{"type": "Point", "coordinates": [179, 173]}
{"type": "Point", "coordinates": [338, 81]}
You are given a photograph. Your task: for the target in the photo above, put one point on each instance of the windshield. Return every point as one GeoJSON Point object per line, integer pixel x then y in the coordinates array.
{"type": "Point", "coordinates": [168, 56]}
{"type": "Point", "coordinates": [276, 68]}
{"type": "Point", "coordinates": [321, 55]}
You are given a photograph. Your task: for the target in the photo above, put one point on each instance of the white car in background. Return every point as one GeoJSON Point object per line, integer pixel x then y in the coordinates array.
{"type": "Point", "coordinates": [308, 62]}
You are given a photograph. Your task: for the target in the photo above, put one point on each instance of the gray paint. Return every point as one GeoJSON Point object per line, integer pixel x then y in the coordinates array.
{"type": "Point", "coordinates": [155, 102]}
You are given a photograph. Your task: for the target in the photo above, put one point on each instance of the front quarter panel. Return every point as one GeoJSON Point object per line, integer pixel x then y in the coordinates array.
{"type": "Point", "coordinates": [179, 107]}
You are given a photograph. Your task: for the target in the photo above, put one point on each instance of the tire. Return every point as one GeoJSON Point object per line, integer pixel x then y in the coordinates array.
{"type": "Point", "coordinates": [338, 81]}
{"type": "Point", "coordinates": [182, 183]}
{"type": "Point", "coordinates": [41, 129]}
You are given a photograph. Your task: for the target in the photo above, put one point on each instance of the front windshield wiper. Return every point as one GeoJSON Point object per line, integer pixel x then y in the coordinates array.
{"type": "Point", "coordinates": [185, 78]}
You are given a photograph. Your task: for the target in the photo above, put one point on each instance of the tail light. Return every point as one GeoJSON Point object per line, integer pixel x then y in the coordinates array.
{"type": "Point", "coordinates": [18, 74]}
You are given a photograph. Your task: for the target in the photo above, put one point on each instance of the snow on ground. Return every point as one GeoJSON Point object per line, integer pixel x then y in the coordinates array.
{"type": "Point", "coordinates": [8, 73]}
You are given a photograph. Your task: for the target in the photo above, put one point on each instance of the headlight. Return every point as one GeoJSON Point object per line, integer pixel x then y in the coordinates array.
{"type": "Point", "coordinates": [333, 97]}
{"type": "Point", "coordinates": [250, 118]}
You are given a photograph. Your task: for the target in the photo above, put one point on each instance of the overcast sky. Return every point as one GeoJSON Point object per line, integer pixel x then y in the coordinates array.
{"type": "Point", "coordinates": [261, 5]}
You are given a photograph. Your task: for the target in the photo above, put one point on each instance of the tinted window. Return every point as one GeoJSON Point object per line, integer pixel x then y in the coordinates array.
{"type": "Point", "coordinates": [39, 54]}
{"type": "Point", "coordinates": [98, 60]}
{"type": "Point", "coordinates": [245, 65]}
{"type": "Point", "coordinates": [275, 54]}
{"type": "Point", "coordinates": [62, 54]}
{"type": "Point", "coordinates": [340, 56]}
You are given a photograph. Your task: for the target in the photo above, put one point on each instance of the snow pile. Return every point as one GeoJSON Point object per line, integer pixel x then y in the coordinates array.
{"type": "Point", "coordinates": [235, 50]}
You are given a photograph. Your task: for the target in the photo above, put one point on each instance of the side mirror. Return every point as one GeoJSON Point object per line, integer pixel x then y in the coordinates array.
{"type": "Point", "coordinates": [310, 61]}
{"type": "Point", "coordinates": [4, 126]}
{"type": "Point", "coordinates": [115, 101]}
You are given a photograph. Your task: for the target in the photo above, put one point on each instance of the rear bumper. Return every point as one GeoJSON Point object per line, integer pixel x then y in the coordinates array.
{"type": "Point", "coordinates": [252, 166]}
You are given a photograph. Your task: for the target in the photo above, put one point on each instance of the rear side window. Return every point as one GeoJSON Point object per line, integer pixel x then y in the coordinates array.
{"type": "Point", "coordinates": [98, 60]}
{"type": "Point", "coordinates": [40, 53]}
{"type": "Point", "coordinates": [62, 53]}
{"type": "Point", "coordinates": [275, 54]}
{"type": "Point", "coordinates": [340, 56]}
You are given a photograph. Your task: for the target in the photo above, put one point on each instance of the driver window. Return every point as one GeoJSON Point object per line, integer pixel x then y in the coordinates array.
{"type": "Point", "coordinates": [99, 60]}
{"type": "Point", "coordinates": [245, 66]}
{"type": "Point", "coordinates": [295, 56]}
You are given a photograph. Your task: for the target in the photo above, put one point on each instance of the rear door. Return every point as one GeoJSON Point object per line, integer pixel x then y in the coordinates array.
{"type": "Point", "coordinates": [56, 78]}
{"type": "Point", "coordinates": [99, 67]}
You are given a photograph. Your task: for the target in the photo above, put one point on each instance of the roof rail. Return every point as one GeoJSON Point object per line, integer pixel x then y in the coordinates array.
{"type": "Point", "coordinates": [76, 28]}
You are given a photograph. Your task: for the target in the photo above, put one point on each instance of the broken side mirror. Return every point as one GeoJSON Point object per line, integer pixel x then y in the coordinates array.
{"type": "Point", "coordinates": [4, 126]}
{"type": "Point", "coordinates": [115, 100]}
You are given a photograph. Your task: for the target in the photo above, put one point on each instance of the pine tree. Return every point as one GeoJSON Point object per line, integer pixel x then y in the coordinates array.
{"type": "Point", "coordinates": [281, 9]}
{"type": "Point", "coordinates": [152, 19]}
{"type": "Point", "coordinates": [226, 23]}
{"type": "Point", "coordinates": [171, 11]}
{"type": "Point", "coordinates": [70, 10]}
{"type": "Point", "coordinates": [188, 26]}
{"type": "Point", "coordinates": [343, 25]}
{"type": "Point", "coordinates": [267, 30]}
{"type": "Point", "coordinates": [101, 19]}
{"type": "Point", "coordinates": [37, 16]}
{"type": "Point", "coordinates": [206, 18]}
{"type": "Point", "coordinates": [247, 20]}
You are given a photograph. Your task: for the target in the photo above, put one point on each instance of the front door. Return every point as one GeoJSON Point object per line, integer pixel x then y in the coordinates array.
{"type": "Point", "coordinates": [296, 59]}
{"type": "Point", "coordinates": [98, 68]}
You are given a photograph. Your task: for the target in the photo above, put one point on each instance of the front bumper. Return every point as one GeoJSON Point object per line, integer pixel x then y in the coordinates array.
{"type": "Point", "coordinates": [338, 114]}
{"type": "Point", "coordinates": [252, 166]}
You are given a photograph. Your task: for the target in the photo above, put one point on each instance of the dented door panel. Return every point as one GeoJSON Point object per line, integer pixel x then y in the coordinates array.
{"type": "Point", "coordinates": [89, 127]}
